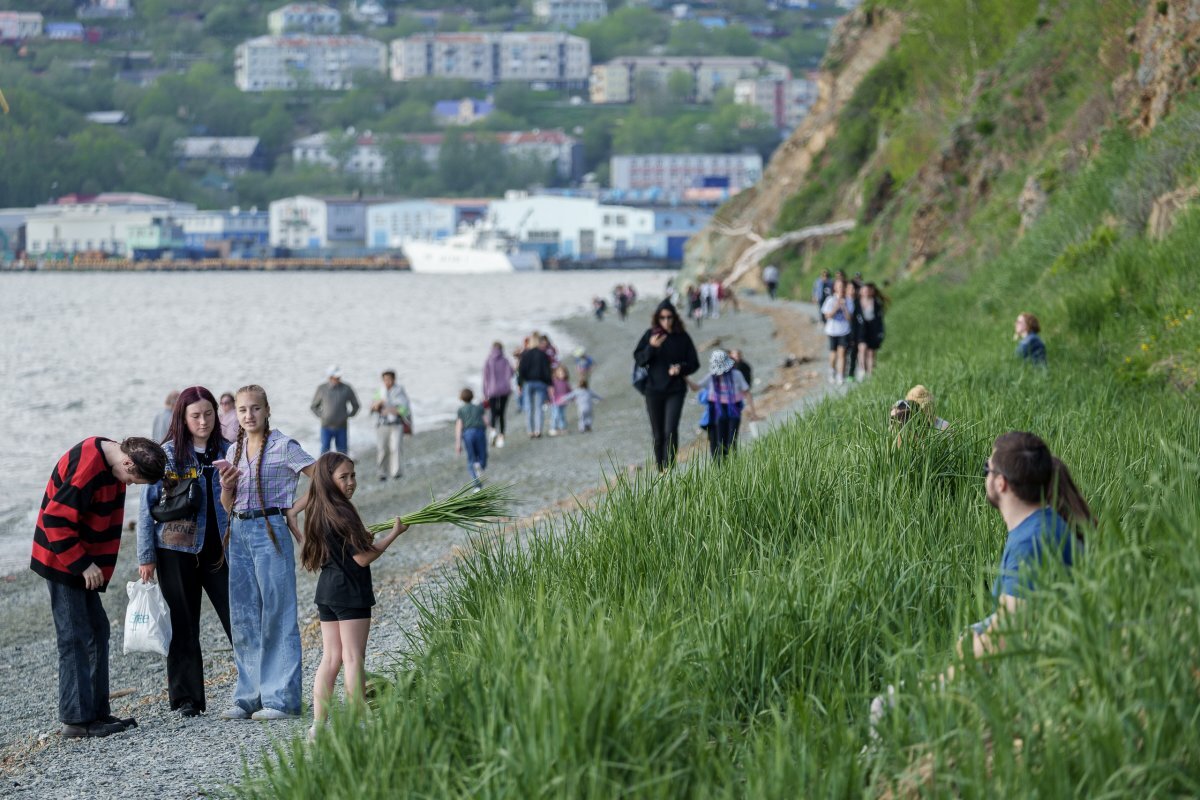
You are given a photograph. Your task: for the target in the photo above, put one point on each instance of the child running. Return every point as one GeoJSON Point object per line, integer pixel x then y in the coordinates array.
{"type": "Point", "coordinates": [257, 488]}
{"type": "Point", "coordinates": [560, 390]}
{"type": "Point", "coordinates": [470, 434]}
{"type": "Point", "coordinates": [584, 402]}
{"type": "Point", "coordinates": [337, 543]}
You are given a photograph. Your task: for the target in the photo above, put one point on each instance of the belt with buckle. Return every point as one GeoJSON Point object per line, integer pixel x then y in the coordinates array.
{"type": "Point", "coordinates": [258, 513]}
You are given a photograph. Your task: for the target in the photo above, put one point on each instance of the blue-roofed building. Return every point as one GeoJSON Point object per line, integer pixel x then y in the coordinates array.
{"type": "Point", "coordinates": [64, 31]}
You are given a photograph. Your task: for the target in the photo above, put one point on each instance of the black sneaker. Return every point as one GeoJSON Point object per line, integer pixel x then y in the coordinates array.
{"type": "Point", "coordinates": [124, 722]}
{"type": "Point", "coordinates": [188, 709]}
{"type": "Point", "coordinates": [91, 730]}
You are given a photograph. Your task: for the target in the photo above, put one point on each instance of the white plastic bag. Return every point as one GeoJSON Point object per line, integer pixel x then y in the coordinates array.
{"type": "Point", "coordinates": [147, 619]}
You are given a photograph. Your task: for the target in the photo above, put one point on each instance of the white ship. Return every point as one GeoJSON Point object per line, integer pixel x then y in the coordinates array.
{"type": "Point", "coordinates": [479, 248]}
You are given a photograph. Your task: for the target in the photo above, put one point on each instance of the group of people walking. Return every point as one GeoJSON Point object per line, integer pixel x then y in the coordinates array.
{"type": "Point", "coordinates": [852, 312]}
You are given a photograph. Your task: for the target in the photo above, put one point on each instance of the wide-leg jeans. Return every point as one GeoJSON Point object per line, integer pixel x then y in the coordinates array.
{"type": "Point", "coordinates": [262, 615]}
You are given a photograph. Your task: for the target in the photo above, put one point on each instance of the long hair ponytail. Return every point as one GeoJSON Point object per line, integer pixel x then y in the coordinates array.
{"type": "Point", "coordinates": [1068, 500]}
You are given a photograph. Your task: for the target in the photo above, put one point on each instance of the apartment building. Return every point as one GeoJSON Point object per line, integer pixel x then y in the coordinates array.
{"type": "Point", "coordinates": [676, 173]}
{"type": "Point", "coordinates": [619, 80]}
{"type": "Point", "coordinates": [786, 102]}
{"type": "Point", "coordinates": [17, 26]}
{"type": "Point", "coordinates": [552, 60]}
{"type": "Point", "coordinates": [569, 13]}
{"type": "Point", "coordinates": [304, 18]}
{"type": "Point", "coordinates": [283, 63]}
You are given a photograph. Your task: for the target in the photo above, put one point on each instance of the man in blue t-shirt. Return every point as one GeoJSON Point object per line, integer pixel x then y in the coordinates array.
{"type": "Point", "coordinates": [1035, 495]}
{"type": "Point", "coordinates": [1044, 514]}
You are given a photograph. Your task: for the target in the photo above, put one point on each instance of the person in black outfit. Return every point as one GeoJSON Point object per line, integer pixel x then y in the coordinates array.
{"type": "Point", "coordinates": [187, 553]}
{"type": "Point", "coordinates": [669, 356]}
{"type": "Point", "coordinates": [868, 318]}
{"type": "Point", "coordinates": [742, 366]}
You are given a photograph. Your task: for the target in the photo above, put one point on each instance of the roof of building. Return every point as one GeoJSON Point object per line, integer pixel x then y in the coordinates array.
{"type": "Point", "coordinates": [217, 146]}
{"type": "Point", "coordinates": [507, 138]}
{"type": "Point", "coordinates": [490, 36]}
{"type": "Point", "coordinates": [685, 61]}
{"type": "Point", "coordinates": [450, 108]}
{"type": "Point", "coordinates": [114, 199]}
{"type": "Point", "coordinates": [313, 40]}
{"type": "Point", "coordinates": [307, 8]}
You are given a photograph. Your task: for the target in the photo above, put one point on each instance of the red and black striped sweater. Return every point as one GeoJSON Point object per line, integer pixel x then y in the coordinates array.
{"type": "Point", "coordinates": [80, 521]}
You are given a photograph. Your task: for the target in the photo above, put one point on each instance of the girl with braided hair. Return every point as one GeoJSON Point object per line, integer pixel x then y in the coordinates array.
{"type": "Point", "coordinates": [257, 489]}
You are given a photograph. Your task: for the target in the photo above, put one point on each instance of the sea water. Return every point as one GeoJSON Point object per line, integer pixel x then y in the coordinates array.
{"type": "Point", "coordinates": [91, 354]}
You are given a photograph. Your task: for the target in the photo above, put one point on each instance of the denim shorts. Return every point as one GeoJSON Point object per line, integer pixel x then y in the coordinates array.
{"type": "Point", "coordinates": [981, 627]}
{"type": "Point", "coordinates": [341, 613]}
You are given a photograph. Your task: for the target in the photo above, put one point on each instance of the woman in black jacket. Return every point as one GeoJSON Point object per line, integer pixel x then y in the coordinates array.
{"type": "Point", "coordinates": [669, 356]}
{"type": "Point", "coordinates": [868, 318]}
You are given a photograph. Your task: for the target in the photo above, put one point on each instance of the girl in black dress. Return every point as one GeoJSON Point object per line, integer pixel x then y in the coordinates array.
{"type": "Point", "coordinates": [337, 543]}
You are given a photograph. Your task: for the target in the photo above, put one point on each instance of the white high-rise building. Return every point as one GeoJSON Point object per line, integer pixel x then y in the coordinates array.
{"type": "Point", "coordinates": [619, 80]}
{"type": "Point", "coordinates": [557, 60]}
{"type": "Point", "coordinates": [270, 63]}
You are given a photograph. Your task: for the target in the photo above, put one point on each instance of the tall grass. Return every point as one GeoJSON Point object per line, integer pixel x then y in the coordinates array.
{"type": "Point", "coordinates": [719, 631]}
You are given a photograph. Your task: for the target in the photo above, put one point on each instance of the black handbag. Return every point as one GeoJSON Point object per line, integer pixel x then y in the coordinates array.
{"type": "Point", "coordinates": [181, 501]}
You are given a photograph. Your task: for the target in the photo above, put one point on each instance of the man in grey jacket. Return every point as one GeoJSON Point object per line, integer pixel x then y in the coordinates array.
{"type": "Point", "coordinates": [334, 403]}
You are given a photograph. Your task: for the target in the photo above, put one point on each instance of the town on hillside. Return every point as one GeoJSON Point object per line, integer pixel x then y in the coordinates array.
{"type": "Point", "coordinates": [561, 135]}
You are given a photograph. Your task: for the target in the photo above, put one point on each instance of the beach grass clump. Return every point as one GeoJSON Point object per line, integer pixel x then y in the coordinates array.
{"type": "Point", "coordinates": [471, 508]}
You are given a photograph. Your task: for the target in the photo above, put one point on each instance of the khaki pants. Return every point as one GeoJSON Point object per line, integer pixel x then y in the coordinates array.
{"type": "Point", "coordinates": [389, 450]}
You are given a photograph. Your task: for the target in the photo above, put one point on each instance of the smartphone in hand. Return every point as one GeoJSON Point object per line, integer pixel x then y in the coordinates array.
{"type": "Point", "coordinates": [221, 465]}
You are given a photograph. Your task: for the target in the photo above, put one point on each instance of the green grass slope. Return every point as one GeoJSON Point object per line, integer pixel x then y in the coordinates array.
{"type": "Point", "coordinates": [719, 632]}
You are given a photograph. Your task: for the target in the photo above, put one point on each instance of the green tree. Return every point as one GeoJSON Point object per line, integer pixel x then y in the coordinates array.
{"type": "Point", "coordinates": [626, 31]}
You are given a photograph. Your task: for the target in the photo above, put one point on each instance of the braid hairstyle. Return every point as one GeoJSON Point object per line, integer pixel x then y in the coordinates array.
{"type": "Point", "coordinates": [262, 451]}
{"type": "Point", "coordinates": [237, 457]}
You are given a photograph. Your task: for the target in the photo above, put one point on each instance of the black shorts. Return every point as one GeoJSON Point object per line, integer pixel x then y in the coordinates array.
{"type": "Point", "coordinates": [341, 613]}
{"type": "Point", "coordinates": [838, 341]}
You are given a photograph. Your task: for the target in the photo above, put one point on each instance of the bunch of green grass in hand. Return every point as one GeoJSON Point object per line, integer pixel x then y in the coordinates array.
{"type": "Point", "coordinates": [469, 508]}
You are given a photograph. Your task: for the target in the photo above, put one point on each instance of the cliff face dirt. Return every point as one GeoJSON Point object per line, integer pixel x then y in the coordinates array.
{"type": "Point", "coordinates": [859, 42]}
{"type": "Point", "coordinates": [1167, 46]}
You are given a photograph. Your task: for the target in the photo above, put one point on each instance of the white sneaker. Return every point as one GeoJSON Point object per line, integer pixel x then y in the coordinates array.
{"type": "Point", "coordinates": [839, 380]}
{"type": "Point", "coordinates": [500, 441]}
{"type": "Point", "coordinates": [269, 714]}
{"type": "Point", "coordinates": [235, 712]}
{"type": "Point", "coordinates": [492, 436]}
{"type": "Point", "coordinates": [312, 733]}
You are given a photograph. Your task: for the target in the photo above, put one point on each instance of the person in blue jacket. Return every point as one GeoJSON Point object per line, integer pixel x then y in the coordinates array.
{"type": "Point", "coordinates": [1030, 346]}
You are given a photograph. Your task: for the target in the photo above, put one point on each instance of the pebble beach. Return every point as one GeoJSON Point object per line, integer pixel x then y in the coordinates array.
{"type": "Point", "coordinates": [170, 757]}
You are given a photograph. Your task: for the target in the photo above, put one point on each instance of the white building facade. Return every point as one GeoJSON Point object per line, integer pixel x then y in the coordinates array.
{"type": "Point", "coordinates": [571, 227]}
{"type": "Point", "coordinates": [304, 18]}
{"type": "Point", "coordinates": [554, 60]}
{"type": "Point", "coordinates": [365, 156]}
{"type": "Point", "coordinates": [318, 223]}
{"type": "Point", "coordinates": [100, 224]}
{"type": "Point", "coordinates": [284, 63]}
{"type": "Point", "coordinates": [619, 80]}
{"type": "Point", "coordinates": [569, 13]}
{"type": "Point", "coordinates": [390, 224]}
{"type": "Point", "coordinates": [675, 173]}
{"type": "Point", "coordinates": [17, 26]}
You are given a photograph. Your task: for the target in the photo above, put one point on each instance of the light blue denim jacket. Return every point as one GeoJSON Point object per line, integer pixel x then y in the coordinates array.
{"type": "Point", "coordinates": [149, 532]}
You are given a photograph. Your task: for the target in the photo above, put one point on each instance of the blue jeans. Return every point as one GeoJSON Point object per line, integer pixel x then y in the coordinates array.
{"type": "Point", "coordinates": [262, 616]}
{"type": "Point", "coordinates": [335, 435]}
{"type": "Point", "coordinates": [475, 443]}
{"type": "Point", "coordinates": [558, 420]}
{"type": "Point", "coordinates": [82, 631]}
{"type": "Point", "coordinates": [534, 394]}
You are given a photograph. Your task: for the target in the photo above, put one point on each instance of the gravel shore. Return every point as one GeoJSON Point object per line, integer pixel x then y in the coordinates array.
{"type": "Point", "coordinates": [167, 756]}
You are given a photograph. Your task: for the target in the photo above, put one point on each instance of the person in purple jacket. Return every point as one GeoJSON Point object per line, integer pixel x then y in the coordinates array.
{"type": "Point", "coordinates": [497, 386]}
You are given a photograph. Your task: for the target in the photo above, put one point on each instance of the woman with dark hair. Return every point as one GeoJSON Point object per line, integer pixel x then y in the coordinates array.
{"type": "Point", "coordinates": [497, 387]}
{"type": "Point", "coordinates": [187, 553]}
{"type": "Point", "coordinates": [669, 356]}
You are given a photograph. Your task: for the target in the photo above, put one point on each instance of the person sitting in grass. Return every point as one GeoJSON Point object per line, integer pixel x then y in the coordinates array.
{"type": "Point", "coordinates": [1030, 347]}
{"type": "Point", "coordinates": [914, 411]}
{"type": "Point", "coordinates": [1046, 516]}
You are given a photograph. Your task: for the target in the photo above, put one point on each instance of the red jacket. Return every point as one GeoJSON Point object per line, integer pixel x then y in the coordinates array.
{"type": "Point", "coordinates": [81, 517]}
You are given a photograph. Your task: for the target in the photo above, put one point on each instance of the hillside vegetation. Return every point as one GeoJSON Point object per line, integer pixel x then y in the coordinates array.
{"type": "Point", "coordinates": [719, 632]}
